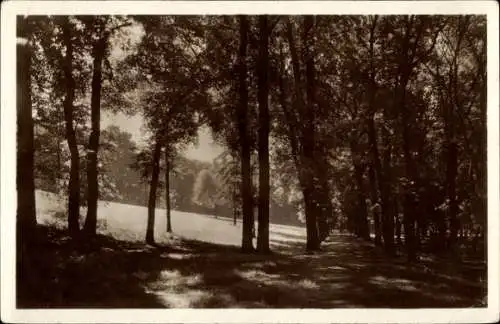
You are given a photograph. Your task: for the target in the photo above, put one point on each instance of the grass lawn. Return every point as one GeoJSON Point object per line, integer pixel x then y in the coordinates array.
{"type": "Point", "coordinates": [201, 266]}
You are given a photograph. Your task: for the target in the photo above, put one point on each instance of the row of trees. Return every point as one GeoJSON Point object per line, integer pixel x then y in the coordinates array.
{"type": "Point", "coordinates": [373, 122]}
{"type": "Point", "coordinates": [64, 69]}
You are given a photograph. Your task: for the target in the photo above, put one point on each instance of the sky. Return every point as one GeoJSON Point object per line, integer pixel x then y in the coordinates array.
{"type": "Point", "coordinates": [205, 150]}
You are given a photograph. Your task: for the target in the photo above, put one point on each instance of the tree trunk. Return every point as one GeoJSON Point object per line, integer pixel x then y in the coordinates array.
{"type": "Point", "coordinates": [322, 189]}
{"type": "Point", "coordinates": [234, 188]}
{"type": "Point", "coordinates": [74, 175]}
{"type": "Point", "coordinates": [298, 158]}
{"type": "Point", "coordinates": [25, 183]}
{"type": "Point", "coordinates": [152, 193]}
{"type": "Point", "coordinates": [246, 184]}
{"type": "Point", "coordinates": [374, 174]}
{"type": "Point", "coordinates": [409, 203]}
{"type": "Point", "coordinates": [304, 161]}
{"type": "Point", "coordinates": [362, 219]}
{"type": "Point", "coordinates": [235, 205]}
{"type": "Point", "coordinates": [313, 242]}
{"type": "Point", "coordinates": [167, 191]}
{"type": "Point", "coordinates": [263, 149]}
{"type": "Point", "coordinates": [398, 223]}
{"type": "Point", "coordinates": [93, 146]}
{"type": "Point", "coordinates": [326, 206]}
{"type": "Point", "coordinates": [386, 192]}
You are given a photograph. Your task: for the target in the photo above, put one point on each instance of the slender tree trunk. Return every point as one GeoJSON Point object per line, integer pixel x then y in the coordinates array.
{"type": "Point", "coordinates": [451, 141]}
{"type": "Point", "coordinates": [74, 176]}
{"type": "Point", "coordinates": [305, 151]}
{"type": "Point", "coordinates": [167, 191]}
{"type": "Point", "coordinates": [322, 189]}
{"type": "Point", "coordinates": [326, 206]}
{"type": "Point", "coordinates": [313, 241]}
{"type": "Point", "coordinates": [25, 183]}
{"type": "Point", "coordinates": [398, 223]}
{"type": "Point", "coordinates": [386, 193]}
{"type": "Point", "coordinates": [235, 205]}
{"type": "Point", "coordinates": [290, 119]}
{"type": "Point", "coordinates": [263, 97]}
{"type": "Point", "coordinates": [234, 188]}
{"type": "Point", "coordinates": [152, 193]}
{"type": "Point", "coordinates": [409, 203]}
{"type": "Point", "coordinates": [246, 184]}
{"type": "Point", "coordinates": [362, 220]}
{"type": "Point", "coordinates": [298, 158]}
{"type": "Point", "coordinates": [374, 176]}
{"type": "Point", "coordinates": [93, 146]}
{"type": "Point", "coordinates": [377, 181]}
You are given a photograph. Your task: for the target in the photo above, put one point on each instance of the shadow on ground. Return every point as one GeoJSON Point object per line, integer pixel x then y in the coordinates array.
{"type": "Point", "coordinates": [107, 273]}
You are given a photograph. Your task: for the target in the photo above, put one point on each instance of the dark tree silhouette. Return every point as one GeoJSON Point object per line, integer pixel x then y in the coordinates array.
{"type": "Point", "coordinates": [264, 124]}
{"type": "Point", "coordinates": [25, 183]}
{"type": "Point", "coordinates": [246, 183]}
{"type": "Point", "coordinates": [74, 177]}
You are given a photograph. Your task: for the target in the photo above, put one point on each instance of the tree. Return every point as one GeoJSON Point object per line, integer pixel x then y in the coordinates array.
{"type": "Point", "coordinates": [264, 124]}
{"type": "Point", "coordinates": [167, 189]}
{"type": "Point", "coordinates": [60, 83]}
{"type": "Point", "coordinates": [101, 28]}
{"type": "Point", "coordinates": [25, 183]}
{"type": "Point", "coordinates": [304, 106]}
{"type": "Point", "coordinates": [152, 191]}
{"type": "Point", "coordinates": [246, 183]}
{"type": "Point", "coordinates": [74, 179]}
{"type": "Point", "coordinates": [167, 66]}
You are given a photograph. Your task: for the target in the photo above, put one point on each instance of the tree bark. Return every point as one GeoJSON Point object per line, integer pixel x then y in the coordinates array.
{"type": "Point", "coordinates": [313, 241]}
{"type": "Point", "coordinates": [152, 193]}
{"type": "Point", "coordinates": [303, 144]}
{"type": "Point", "coordinates": [25, 183]}
{"type": "Point", "coordinates": [326, 208]}
{"type": "Point", "coordinates": [74, 176]}
{"type": "Point", "coordinates": [386, 192]}
{"type": "Point", "coordinates": [374, 176]}
{"type": "Point", "coordinates": [409, 200]}
{"type": "Point", "coordinates": [93, 145]}
{"type": "Point", "coordinates": [263, 149]}
{"type": "Point", "coordinates": [167, 191]}
{"type": "Point", "coordinates": [398, 223]}
{"type": "Point", "coordinates": [246, 184]}
{"type": "Point", "coordinates": [450, 135]}
{"type": "Point", "coordinates": [362, 219]}
{"type": "Point", "coordinates": [409, 203]}
{"type": "Point", "coordinates": [235, 205]}
{"type": "Point", "coordinates": [298, 158]}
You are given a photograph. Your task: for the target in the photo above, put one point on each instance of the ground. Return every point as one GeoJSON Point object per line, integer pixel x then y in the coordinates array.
{"type": "Point", "coordinates": [202, 266]}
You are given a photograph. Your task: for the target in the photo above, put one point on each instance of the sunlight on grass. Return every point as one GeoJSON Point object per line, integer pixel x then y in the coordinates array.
{"type": "Point", "coordinates": [185, 299]}
{"type": "Point", "coordinates": [402, 284]}
{"type": "Point", "coordinates": [258, 275]}
{"type": "Point", "coordinates": [307, 284]}
{"type": "Point", "coordinates": [200, 265]}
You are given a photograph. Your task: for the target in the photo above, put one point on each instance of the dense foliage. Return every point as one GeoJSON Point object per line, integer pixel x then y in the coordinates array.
{"type": "Point", "coordinates": [372, 124]}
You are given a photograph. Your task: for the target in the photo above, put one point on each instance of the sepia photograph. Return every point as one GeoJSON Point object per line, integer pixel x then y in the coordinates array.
{"type": "Point", "coordinates": [242, 159]}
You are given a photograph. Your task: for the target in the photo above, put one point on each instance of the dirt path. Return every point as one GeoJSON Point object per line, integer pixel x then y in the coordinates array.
{"type": "Point", "coordinates": [188, 273]}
